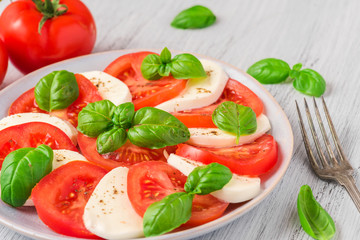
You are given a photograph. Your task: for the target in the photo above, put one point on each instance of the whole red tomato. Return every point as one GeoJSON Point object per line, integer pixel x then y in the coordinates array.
{"type": "Point", "coordinates": [3, 62]}
{"type": "Point", "coordinates": [69, 33]}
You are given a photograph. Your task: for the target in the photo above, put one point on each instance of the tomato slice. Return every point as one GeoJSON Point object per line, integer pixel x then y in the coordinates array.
{"type": "Point", "coordinates": [149, 182]}
{"type": "Point", "coordinates": [234, 91]}
{"type": "Point", "coordinates": [125, 156]}
{"type": "Point", "coordinates": [87, 93]}
{"type": "Point", "coordinates": [60, 197]}
{"type": "Point", "coordinates": [32, 134]}
{"type": "Point", "coordinates": [249, 159]}
{"type": "Point", "coordinates": [145, 93]}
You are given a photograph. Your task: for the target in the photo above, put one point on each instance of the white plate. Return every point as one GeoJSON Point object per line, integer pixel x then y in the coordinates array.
{"type": "Point", "coordinates": [25, 220]}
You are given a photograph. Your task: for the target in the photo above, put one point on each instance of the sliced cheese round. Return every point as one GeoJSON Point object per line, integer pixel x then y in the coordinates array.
{"type": "Point", "coordinates": [21, 118]}
{"type": "Point", "coordinates": [109, 213]}
{"type": "Point", "coordinates": [199, 92]}
{"type": "Point", "coordinates": [214, 137]}
{"type": "Point", "coordinates": [109, 87]}
{"type": "Point", "coordinates": [239, 189]}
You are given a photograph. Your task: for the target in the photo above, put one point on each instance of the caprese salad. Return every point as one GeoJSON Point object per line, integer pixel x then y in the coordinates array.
{"type": "Point", "coordinates": [149, 145]}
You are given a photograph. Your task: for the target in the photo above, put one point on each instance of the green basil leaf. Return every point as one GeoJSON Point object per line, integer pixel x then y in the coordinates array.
{"type": "Point", "coordinates": [185, 66]}
{"type": "Point", "coordinates": [194, 17]}
{"type": "Point", "coordinates": [165, 56]}
{"type": "Point", "coordinates": [56, 90]}
{"type": "Point", "coordinates": [150, 67]}
{"type": "Point", "coordinates": [167, 214]}
{"type": "Point", "coordinates": [154, 128]}
{"type": "Point", "coordinates": [123, 115]}
{"type": "Point", "coordinates": [111, 140]}
{"type": "Point", "coordinates": [235, 118]}
{"type": "Point", "coordinates": [22, 169]}
{"type": "Point", "coordinates": [207, 179]}
{"type": "Point", "coordinates": [297, 67]}
{"type": "Point", "coordinates": [96, 118]}
{"type": "Point", "coordinates": [313, 218]}
{"type": "Point", "coordinates": [269, 70]}
{"type": "Point", "coordinates": [164, 70]}
{"type": "Point", "coordinates": [309, 82]}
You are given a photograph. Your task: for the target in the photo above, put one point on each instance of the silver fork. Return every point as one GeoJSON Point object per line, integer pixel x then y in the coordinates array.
{"type": "Point", "coordinates": [328, 167]}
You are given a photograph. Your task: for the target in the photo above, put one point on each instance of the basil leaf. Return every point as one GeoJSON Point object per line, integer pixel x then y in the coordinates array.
{"type": "Point", "coordinates": [167, 214]}
{"type": "Point", "coordinates": [194, 17]}
{"type": "Point", "coordinates": [164, 70]}
{"type": "Point", "coordinates": [313, 218]}
{"type": "Point", "coordinates": [150, 67]}
{"type": "Point", "coordinates": [96, 118]}
{"type": "Point", "coordinates": [235, 118]}
{"type": "Point", "coordinates": [154, 128]}
{"type": "Point", "coordinates": [185, 66]}
{"type": "Point", "coordinates": [56, 90]}
{"type": "Point", "coordinates": [165, 56]}
{"type": "Point", "coordinates": [309, 82]}
{"type": "Point", "coordinates": [123, 115]}
{"type": "Point", "coordinates": [269, 70]}
{"type": "Point", "coordinates": [111, 140]}
{"type": "Point", "coordinates": [22, 169]}
{"type": "Point", "coordinates": [297, 67]}
{"type": "Point", "coordinates": [207, 179]}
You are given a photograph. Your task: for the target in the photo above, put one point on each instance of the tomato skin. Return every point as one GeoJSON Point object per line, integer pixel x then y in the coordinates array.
{"type": "Point", "coordinates": [149, 182]}
{"type": "Point", "coordinates": [234, 91]}
{"type": "Point", "coordinates": [69, 35]}
{"type": "Point", "coordinates": [249, 159]}
{"type": "Point", "coordinates": [145, 93]}
{"type": "Point", "coordinates": [60, 197]}
{"type": "Point", "coordinates": [3, 61]}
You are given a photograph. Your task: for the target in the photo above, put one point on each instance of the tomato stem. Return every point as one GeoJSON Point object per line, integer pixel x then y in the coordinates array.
{"type": "Point", "coordinates": [49, 9]}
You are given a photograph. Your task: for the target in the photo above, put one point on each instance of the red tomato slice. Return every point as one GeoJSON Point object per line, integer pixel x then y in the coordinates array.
{"type": "Point", "coordinates": [32, 134]}
{"type": "Point", "coordinates": [149, 182]}
{"type": "Point", "coordinates": [60, 197]}
{"type": "Point", "coordinates": [87, 93]}
{"type": "Point", "coordinates": [145, 93]}
{"type": "Point", "coordinates": [125, 156]}
{"type": "Point", "coordinates": [250, 159]}
{"type": "Point", "coordinates": [234, 91]}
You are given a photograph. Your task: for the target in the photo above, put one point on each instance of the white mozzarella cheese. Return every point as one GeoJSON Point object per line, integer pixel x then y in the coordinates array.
{"type": "Point", "coordinates": [214, 137]}
{"type": "Point", "coordinates": [109, 213]}
{"type": "Point", "coordinates": [239, 189]}
{"type": "Point", "coordinates": [21, 118]}
{"type": "Point", "coordinates": [199, 92]}
{"type": "Point", "coordinates": [109, 87]}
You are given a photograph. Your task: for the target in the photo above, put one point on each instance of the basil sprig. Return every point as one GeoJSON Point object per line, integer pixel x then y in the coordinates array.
{"type": "Point", "coordinates": [272, 70]}
{"type": "Point", "coordinates": [182, 66]}
{"type": "Point", "coordinates": [22, 169]}
{"type": "Point", "coordinates": [235, 118]}
{"type": "Point", "coordinates": [175, 209]}
{"type": "Point", "coordinates": [313, 218]}
{"type": "Point", "coordinates": [56, 90]}
{"type": "Point", "coordinates": [148, 127]}
{"type": "Point", "coordinates": [194, 17]}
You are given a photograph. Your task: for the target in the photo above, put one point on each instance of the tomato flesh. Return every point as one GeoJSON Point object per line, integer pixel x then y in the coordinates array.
{"type": "Point", "coordinates": [234, 91]}
{"type": "Point", "coordinates": [3, 61]}
{"type": "Point", "coordinates": [249, 159]}
{"type": "Point", "coordinates": [145, 93]}
{"type": "Point", "coordinates": [61, 196]}
{"type": "Point", "coordinates": [32, 134]}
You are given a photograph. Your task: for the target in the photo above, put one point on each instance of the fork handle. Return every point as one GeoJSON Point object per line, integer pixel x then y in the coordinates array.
{"type": "Point", "coordinates": [349, 183]}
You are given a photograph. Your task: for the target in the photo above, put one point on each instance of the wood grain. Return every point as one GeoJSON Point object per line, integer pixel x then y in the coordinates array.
{"type": "Point", "coordinates": [322, 34]}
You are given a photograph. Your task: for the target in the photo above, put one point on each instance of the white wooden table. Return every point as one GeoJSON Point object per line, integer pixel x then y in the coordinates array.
{"type": "Point", "coordinates": [323, 35]}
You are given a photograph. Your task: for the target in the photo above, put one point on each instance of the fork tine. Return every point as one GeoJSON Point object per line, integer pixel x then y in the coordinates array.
{"type": "Point", "coordinates": [315, 137]}
{"type": "Point", "coordinates": [324, 135]}
{"type": "Point", "coordinates": [309, 152]}
{"type": "Point", "coordinates": [335, 137]}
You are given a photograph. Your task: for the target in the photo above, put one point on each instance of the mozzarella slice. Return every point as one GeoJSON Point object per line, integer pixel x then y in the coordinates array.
{"type": "Point", "coordinates": [199, 92]}
{"type": "Point", "coordinates": [239, 189]}
{"type": "Point", "coordinates": [109, 213]}
{"type": "Point", "coordinates": [214, 137]}
{"type": "Point", "coordinates": [21, 118]}
{"type": "Point", "coordinates": [109, 87]}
